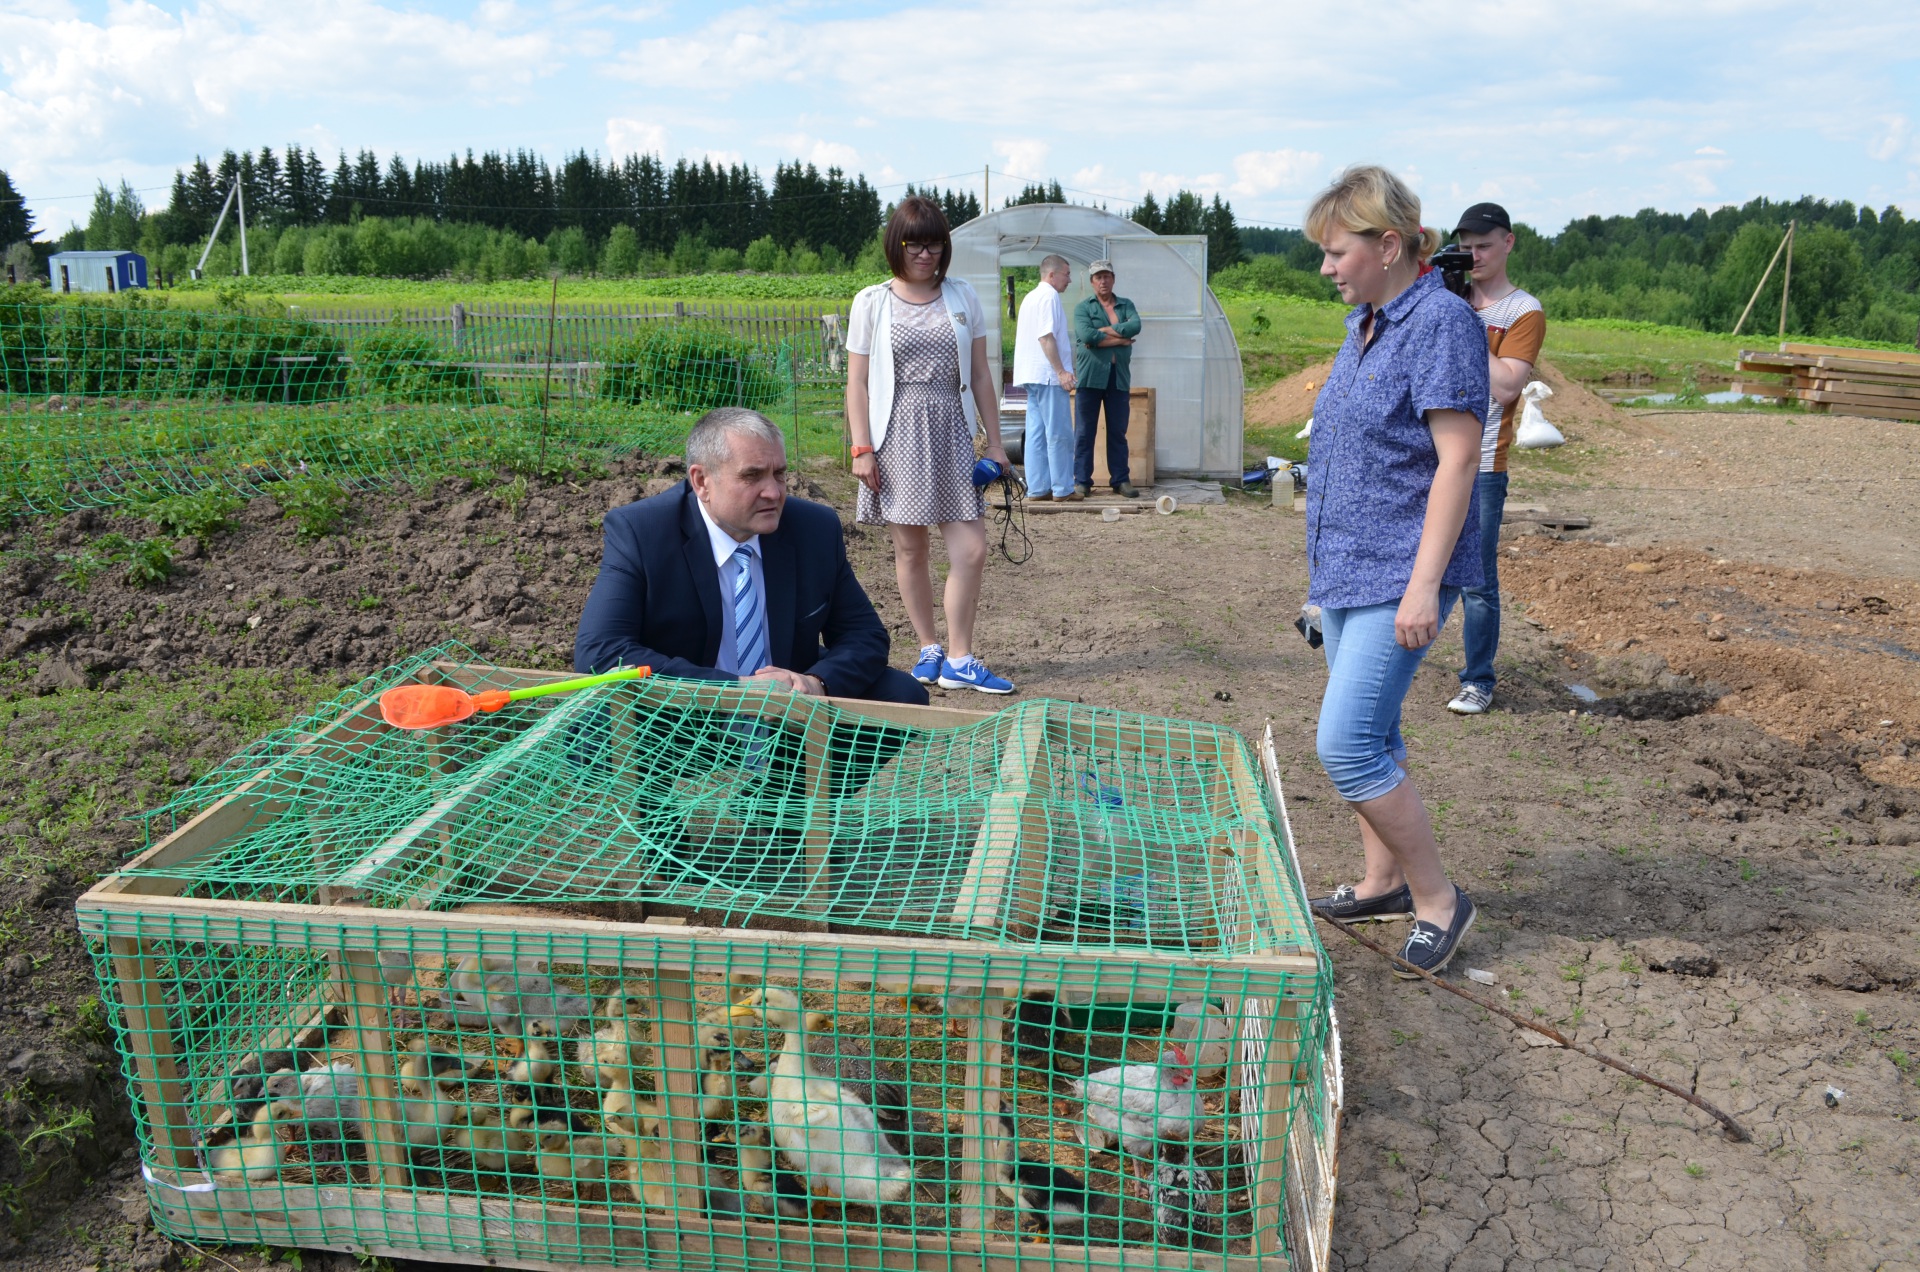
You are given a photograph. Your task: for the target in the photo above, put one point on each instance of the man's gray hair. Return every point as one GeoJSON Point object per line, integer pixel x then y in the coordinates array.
{"type": "Point", "coordinates": [708, 445]}
{"type": "Point", "coordinates": [1050, 263]}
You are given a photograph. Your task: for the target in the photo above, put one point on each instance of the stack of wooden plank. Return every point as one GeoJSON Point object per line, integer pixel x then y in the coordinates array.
{"type": "Point", "coordinates": [1877, 382]}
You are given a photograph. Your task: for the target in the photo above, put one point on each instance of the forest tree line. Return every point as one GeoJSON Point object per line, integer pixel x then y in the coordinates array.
{"type": "Point", "coordinates": [1856, 272]}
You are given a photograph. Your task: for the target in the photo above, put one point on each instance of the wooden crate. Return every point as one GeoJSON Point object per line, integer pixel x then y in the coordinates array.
{"type": "Point", "coordinates": [1141, 404]}
{"type": "Point", "coordinates": [990, 941]}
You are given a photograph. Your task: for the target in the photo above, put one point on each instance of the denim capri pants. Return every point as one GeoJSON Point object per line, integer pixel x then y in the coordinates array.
{"type": "Point", "coordinates": [1368, 675]}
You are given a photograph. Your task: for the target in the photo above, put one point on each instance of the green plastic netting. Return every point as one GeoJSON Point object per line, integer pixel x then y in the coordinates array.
{"type": "Point", "coordinates": [884, 985]}
{"type": "Point", "coordinates": [132, 400]}
{"type": "Point", "coordinates": [1048, 821]}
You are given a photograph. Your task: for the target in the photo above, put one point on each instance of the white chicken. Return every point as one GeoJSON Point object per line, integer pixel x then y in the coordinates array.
{"type": "Point", "coordinates": [826, 1130]}
{"type": "Point", "coordinates": [255, 1153]}
{"type": "Point", "coordinates": [1135, 1105]}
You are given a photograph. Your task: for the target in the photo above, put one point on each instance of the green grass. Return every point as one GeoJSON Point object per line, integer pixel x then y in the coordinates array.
{"type": "Point", "coordinates": [141, 730]}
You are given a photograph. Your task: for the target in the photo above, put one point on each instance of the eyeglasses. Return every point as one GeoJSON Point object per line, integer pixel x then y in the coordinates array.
{"type": "Point", "coordinates": [920, 249]}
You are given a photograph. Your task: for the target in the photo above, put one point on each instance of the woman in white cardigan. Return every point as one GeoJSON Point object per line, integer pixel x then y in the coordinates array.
{"type": "Point", "coordinates": [918, 385]}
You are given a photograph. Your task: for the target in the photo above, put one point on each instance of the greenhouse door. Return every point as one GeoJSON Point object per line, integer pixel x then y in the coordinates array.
{"type": "Point", "coordinates": [1165, 276]}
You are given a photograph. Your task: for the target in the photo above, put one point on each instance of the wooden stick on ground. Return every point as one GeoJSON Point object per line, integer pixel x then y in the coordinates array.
{"type": "Point", "coordinates": [1735, 1131]}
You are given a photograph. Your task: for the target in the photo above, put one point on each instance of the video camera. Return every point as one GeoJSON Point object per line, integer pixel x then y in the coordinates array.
{"type": "Point", "coordinates": [1455, 264]}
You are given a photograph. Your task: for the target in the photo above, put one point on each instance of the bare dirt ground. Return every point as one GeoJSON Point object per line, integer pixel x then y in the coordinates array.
{"type": "Point", "coordinates": [1711, 871]}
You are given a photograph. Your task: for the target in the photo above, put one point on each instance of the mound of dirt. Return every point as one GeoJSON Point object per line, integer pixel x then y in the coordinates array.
{"type": "Point", "coordinates": [1801, 653]}
{"type": "Point", "coordinates": [1573, 403]}
{"type": "Point", "coordinates": [1288, 401]}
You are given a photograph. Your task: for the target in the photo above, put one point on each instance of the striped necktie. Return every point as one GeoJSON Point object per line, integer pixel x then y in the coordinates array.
{"type": "Point", "coordinates": [750, 652]}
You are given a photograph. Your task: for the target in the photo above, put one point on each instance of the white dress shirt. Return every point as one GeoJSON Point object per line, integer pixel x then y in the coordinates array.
{"type": "Point", "coordinates": [724, 545]}
{"type": "Point", "coordinates": [1042, 313]}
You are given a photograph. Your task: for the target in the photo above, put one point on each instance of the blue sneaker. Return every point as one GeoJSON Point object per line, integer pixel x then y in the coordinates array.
{"type": "Point", "coordinates": [971, 673]}
{"type": "Point", "coordinates": [927, 669]}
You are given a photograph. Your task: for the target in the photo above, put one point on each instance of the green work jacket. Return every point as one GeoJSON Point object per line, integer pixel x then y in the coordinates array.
{"type": "Point", "coordinates": [1110, 367]}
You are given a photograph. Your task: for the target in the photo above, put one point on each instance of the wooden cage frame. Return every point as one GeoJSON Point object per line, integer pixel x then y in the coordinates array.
{"type": "Point", "coordinates": [1292, 1185]}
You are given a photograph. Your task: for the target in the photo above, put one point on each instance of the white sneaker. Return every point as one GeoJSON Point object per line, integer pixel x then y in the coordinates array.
{"type": "Point", "coordinates": [1471, 700]}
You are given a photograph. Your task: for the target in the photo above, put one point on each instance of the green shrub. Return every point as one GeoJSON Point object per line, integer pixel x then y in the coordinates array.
{"type": "Point", "coordinates": [686, 368]}
{"type": "Point", "coordinates": [198, 514]}
{"type": "Point", "coordinates": [134, 347]}
{"type": "Point", "coordinates": [403, 364]}
{"type": "Point", "coordinates": [315, 503]}
{"type": "Point", "coordinates": [1272, 274]}
{"type": "Point", "coordinates": [149, 561]}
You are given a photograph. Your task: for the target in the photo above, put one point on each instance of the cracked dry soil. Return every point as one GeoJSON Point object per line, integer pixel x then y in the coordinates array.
{"type": "Point", "coordinates": [1730, 907]}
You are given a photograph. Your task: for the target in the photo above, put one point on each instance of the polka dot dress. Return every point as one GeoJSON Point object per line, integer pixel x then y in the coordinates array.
{"type": "Point", "coordinates": [926, 462]}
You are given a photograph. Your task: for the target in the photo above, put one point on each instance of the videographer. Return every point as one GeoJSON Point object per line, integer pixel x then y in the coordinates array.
{"type": "Point", "coordinates": [1516, 327]}
{"type": "Point", "coordinates": [1391, 538]}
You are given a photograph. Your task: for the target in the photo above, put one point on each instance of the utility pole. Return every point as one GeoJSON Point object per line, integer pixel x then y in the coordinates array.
{"type": "Point", "coordinates": [1786, 279]}
{"type": "Point", "coordinates": [1765, 275]}
{"type": "Point", "coordinates": [244, 270]}
{"type": "Point", "coordinates": [986, 189]}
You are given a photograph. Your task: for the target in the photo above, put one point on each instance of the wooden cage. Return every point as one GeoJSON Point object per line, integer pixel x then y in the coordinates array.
{"type": "Point", "coordinates": [310, 973]}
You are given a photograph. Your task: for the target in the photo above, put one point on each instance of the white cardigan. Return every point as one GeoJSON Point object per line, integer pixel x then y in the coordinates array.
{"type": "Point", "coordinates": [870, 332]}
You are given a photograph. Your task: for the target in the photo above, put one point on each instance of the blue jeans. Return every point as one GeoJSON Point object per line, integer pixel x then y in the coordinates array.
{"type": "Point", "coordinates": [1368, 675]}
{"type": "Point", "coordinates": [1087, 403]}
{"type": "Point", "coordinates": [1480, 606]}
{"type": "Point", "coordinates": [1049, 453]}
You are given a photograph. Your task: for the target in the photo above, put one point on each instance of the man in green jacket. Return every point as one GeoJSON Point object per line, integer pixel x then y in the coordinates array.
{"type": "Point", "coordinates": [1104, 329]}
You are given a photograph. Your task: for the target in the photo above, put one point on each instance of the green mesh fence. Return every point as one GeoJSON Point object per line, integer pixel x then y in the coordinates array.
{"type": "Point", "coordinates": [108, 402]}
{"type": "Point", "coordinates": [668, 974]}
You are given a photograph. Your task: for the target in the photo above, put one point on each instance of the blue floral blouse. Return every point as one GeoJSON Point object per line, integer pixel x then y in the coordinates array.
{"type": "Point", "coordinates": [1371, 460]}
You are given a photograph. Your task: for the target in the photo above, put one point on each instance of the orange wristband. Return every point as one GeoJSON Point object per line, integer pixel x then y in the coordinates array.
{"type": "Point", "coordinates": [858, 451]}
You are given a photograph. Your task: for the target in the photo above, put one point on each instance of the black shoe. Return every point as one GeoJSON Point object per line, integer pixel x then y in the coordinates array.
{"type": "Point", "coordinates": [1346, 907]}
{"type": "Point", "coordinates": [1125, 490]}
{"type": "Point", "coordinates": [1431, 948]}
{"type": "Point", "coordinates": [1082, 489]}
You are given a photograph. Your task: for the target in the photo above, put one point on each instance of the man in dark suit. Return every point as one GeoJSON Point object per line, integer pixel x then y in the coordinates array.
{"type": "Point", "coordinates": [722, 578]}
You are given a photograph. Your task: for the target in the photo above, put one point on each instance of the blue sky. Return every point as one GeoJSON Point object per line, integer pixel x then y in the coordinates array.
{"type": "Point", "coordinates": [1556, 109]}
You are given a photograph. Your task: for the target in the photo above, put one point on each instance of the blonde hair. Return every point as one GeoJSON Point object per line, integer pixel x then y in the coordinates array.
{"type": "Point", "coordinates": [1367, 199]}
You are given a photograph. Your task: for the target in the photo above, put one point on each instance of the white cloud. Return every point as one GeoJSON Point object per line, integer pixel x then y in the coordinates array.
{"type": "Point", "coordinates": [1893, 140]}
{"type": "Point", "coordinates": [635, 137]}
{"type": "Point", "coordinates": [723, 158]}
{"type": "Point", "coordinates": [1709, 150]}
{"type": "Point", "coordinates": [1023, 160]}
{"type": "Point", "coordinates": [1262, 171]}
{"type": "Point", "coordinates": [100, 87]}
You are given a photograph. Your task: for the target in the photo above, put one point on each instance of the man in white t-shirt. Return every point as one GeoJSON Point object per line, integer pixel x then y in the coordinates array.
{"type": "Point", "coordinates": [1516, 327]}
{"type": "Point", "coordinates": [1041, 351]}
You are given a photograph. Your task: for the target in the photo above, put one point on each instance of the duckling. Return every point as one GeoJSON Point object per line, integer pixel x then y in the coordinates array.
{"type": "Point", "coordinates": [647, 1171]}
{"type": "Point", "coordinates": [255, 1153]}
{"type": "Point", "coordinates": [762, 1175]}
{"type": "Point", "coordinates": [610, 1054]}
{"type": "Point", "coordinates": [536, 1062]}
{"type": "Point", "coordinates": [497, 1144]}
{"type": "Point", "coordinates": [625, 1113]}
{"type": "Point", "coordinates": [565, 1157]}
{"type": "Point", "coordinates": [425, 1109]}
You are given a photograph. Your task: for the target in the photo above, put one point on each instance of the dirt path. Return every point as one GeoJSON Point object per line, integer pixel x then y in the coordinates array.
{"type": "Point", "coordinates": [1773, 879]}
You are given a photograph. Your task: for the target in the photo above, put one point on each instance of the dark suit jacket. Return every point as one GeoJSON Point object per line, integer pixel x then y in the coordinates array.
{"type": "Point", "coordinates": [657, 600]}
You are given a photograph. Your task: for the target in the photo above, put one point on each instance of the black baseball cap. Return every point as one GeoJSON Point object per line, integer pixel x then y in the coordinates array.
{"type": "Point", "coordinates": [1483, 218]}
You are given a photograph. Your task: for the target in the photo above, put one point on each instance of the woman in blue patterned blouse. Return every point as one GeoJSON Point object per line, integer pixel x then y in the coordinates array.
{"type": "Point", "coordinates": [1390, 542]}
